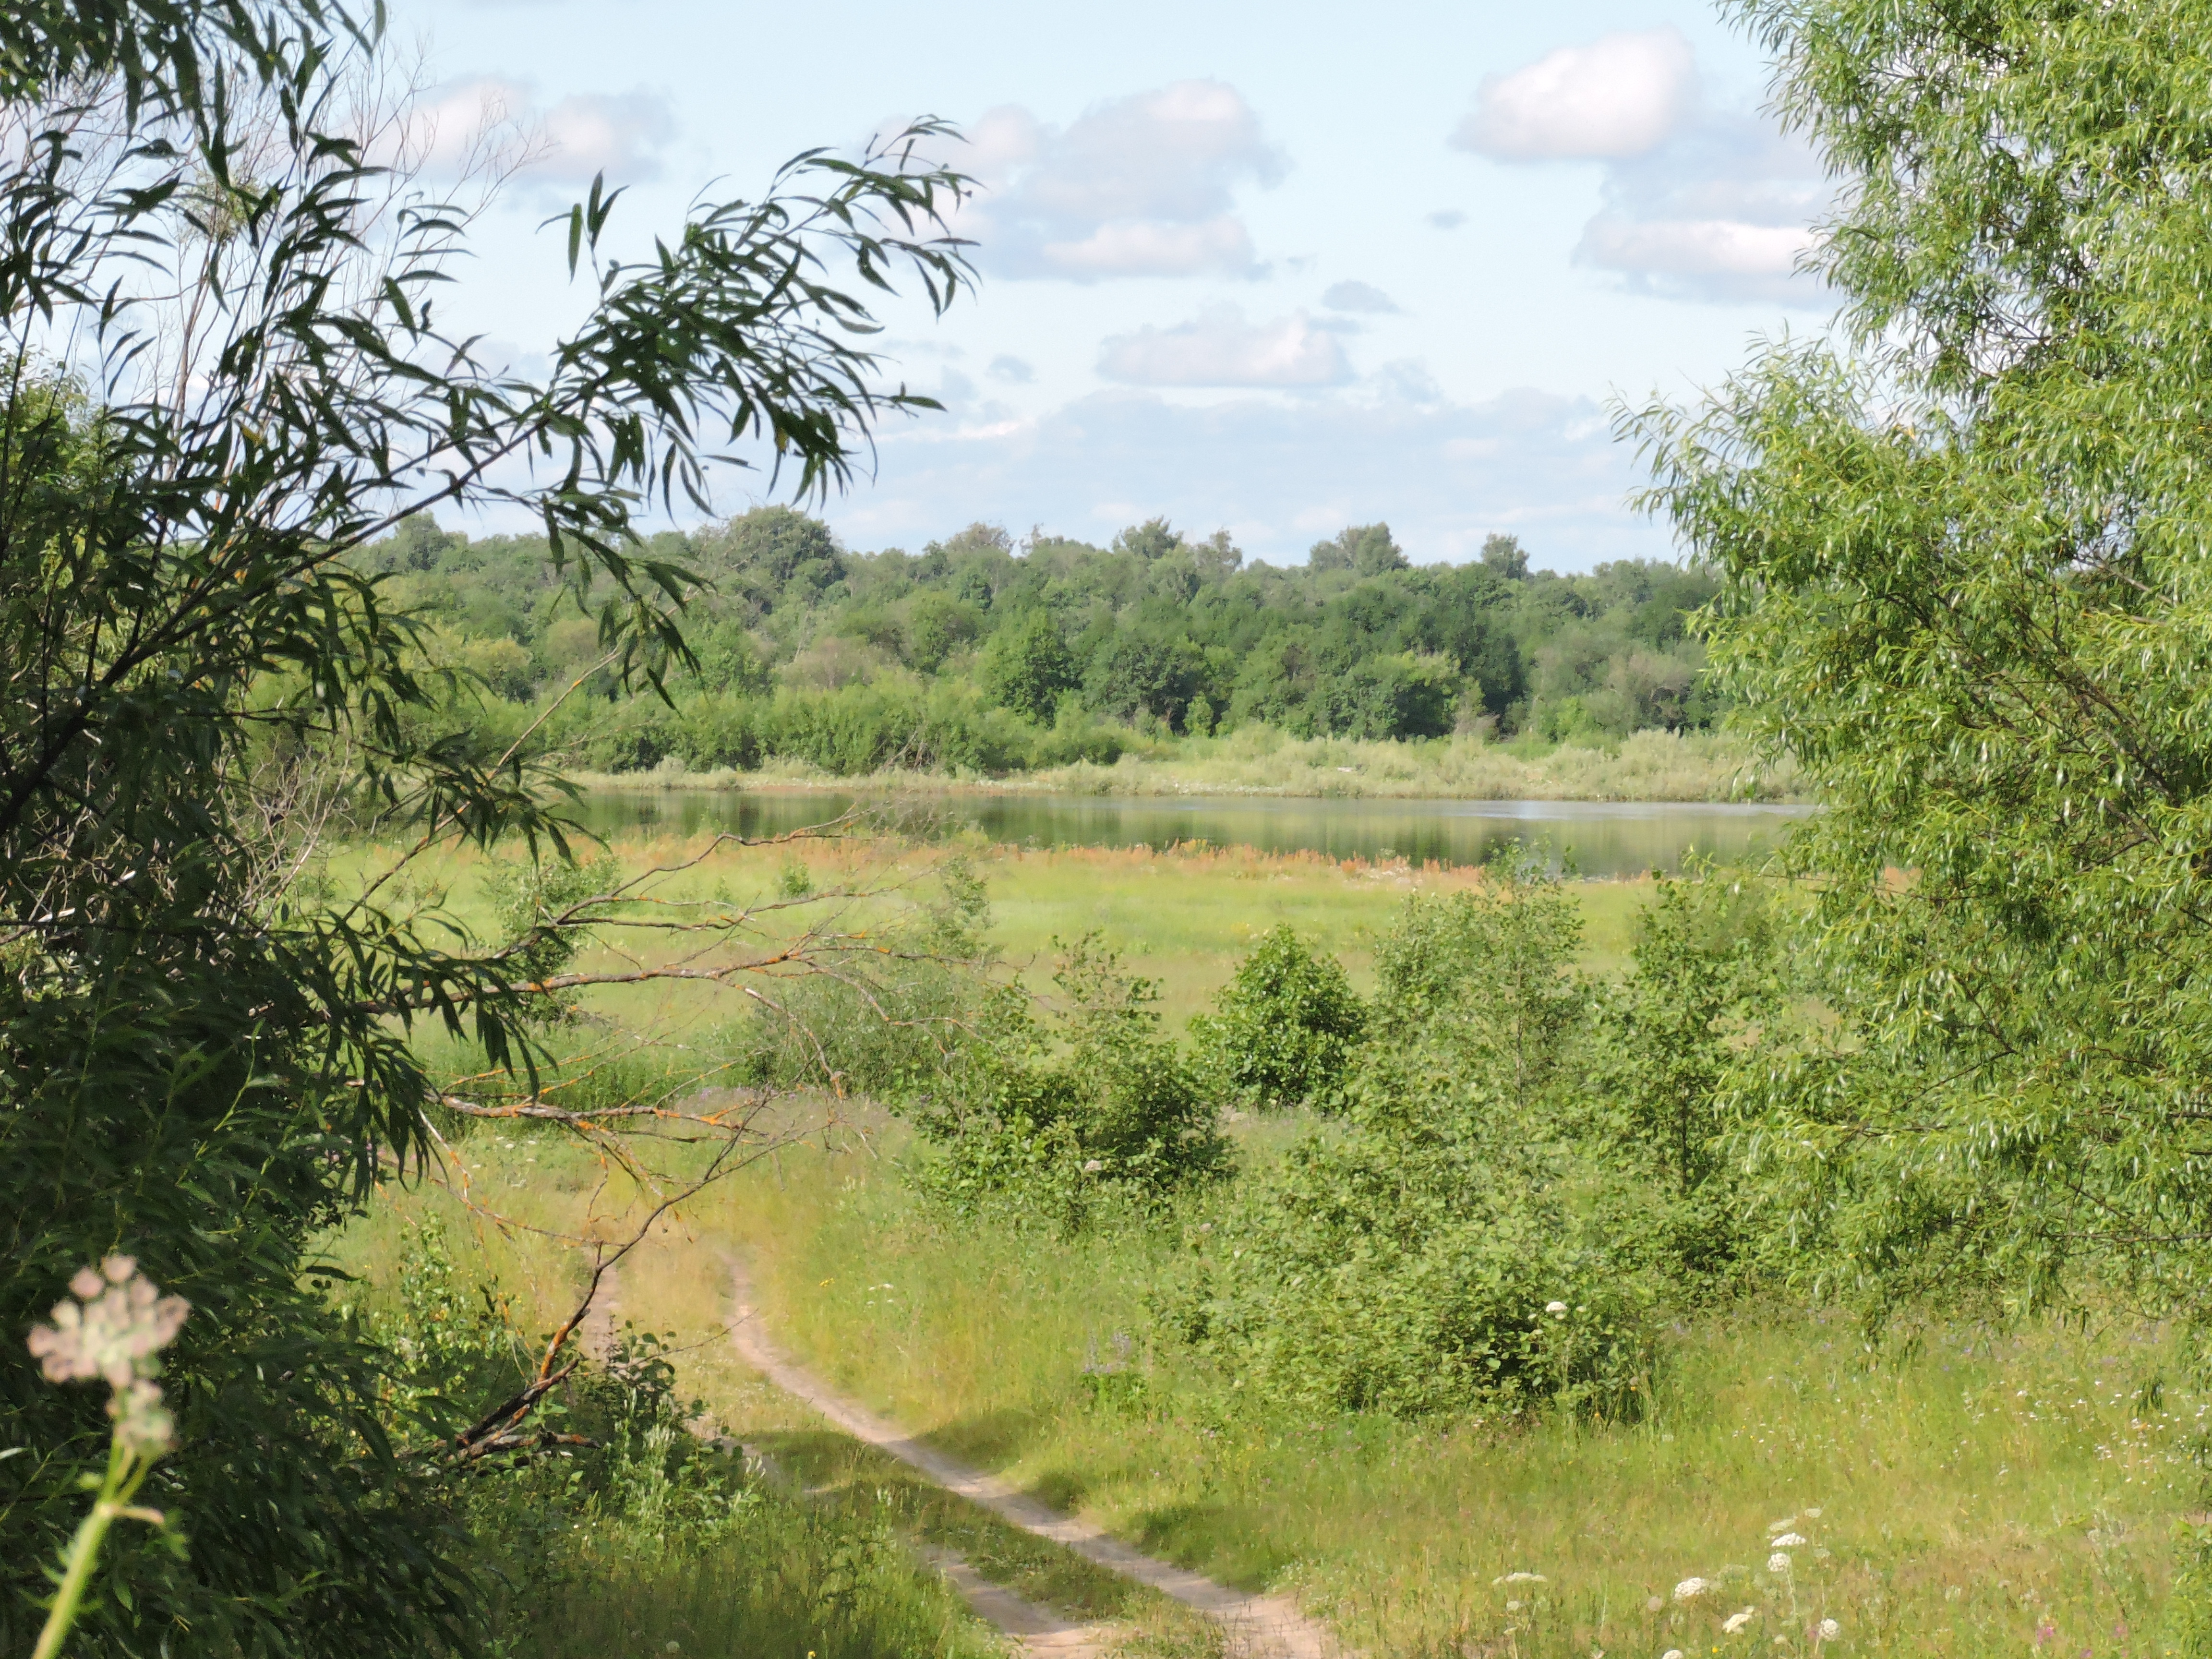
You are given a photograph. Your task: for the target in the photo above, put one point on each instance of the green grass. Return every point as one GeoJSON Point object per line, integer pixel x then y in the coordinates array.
{"type": "Point", "coordinates": [1970, 1493]}
{"type": "Point", "coordinates": [1978, 1493]}
{"type": "Point", "coordinates": [795, 1580]}
{"type": "Point", "coordinates": [829, 1558]}
{"type": "Point", "coordinates": [1184, 917]}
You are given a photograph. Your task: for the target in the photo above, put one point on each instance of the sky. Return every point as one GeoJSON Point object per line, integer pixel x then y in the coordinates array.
{"type": "Point", "coordinates": [1273, 268]}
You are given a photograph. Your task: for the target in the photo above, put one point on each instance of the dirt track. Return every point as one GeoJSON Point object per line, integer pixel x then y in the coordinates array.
{"type": "Point", "coordinates": [1254, 1627]}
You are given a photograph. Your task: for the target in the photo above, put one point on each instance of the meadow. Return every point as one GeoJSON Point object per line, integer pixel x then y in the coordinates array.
{"type": "Point", "coordinates": [1960, 1490]}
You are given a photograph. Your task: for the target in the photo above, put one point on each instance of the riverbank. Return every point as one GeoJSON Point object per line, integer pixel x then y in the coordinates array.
{"type": "Point", "coordinates": [1650, 766]}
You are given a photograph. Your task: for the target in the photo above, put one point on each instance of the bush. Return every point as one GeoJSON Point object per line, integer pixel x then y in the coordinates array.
{"type": "Point", "coordinates": [1460, 1247]}
{"type": "Point", "coordinates": [1047, 1121]}
{"type": "Point", "coordinates": [1283, 1030]}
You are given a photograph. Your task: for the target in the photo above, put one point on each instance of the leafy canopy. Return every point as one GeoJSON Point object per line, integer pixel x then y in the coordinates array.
{"type": "Point", "coordinates": [223, 370]}
{"type": "Point", "coordinates": [1966, 581]}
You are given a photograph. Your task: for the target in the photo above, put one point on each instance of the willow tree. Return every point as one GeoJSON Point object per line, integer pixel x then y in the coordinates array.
{"type": "Point", "coordinates": [225, 367]}
{"type": "Point", "coordinates": [1966, 544]}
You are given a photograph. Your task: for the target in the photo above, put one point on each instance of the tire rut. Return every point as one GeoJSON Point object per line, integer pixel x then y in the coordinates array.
{"type": "Point", "coordinates": [1253, 1626]}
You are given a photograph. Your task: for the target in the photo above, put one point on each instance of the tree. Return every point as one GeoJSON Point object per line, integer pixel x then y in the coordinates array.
{"type": "Point", "coordinates": [1965, 582]}
{"type": "Point", "coordinates": [1365, 550]}
{"type": "Point", "coordinates": [220, 380]}
{"type": "Point", "coordinates": [1026, 665]}
{"type": "Point", "coordinates": [1504, 556]}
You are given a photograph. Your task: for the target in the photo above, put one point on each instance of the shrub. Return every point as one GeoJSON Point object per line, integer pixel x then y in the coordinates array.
{"type": "Point", "coordinates": [1283, 1030]}
{"type": "Point", "coordinates": [1459, 1246]}
{"type": "Point", "coordinates": [1046, 1119]}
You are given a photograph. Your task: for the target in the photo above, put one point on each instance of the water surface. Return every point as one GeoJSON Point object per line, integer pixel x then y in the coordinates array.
{"type": "Point", "coordinates": [1600, 838]}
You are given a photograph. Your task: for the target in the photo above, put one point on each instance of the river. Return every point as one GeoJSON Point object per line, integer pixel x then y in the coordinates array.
{"type": "Point", "coordinates": [1600, 838]}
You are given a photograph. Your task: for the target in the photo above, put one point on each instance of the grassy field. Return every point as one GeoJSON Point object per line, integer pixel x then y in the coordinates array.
{"type": "Point", "coordinates": [1184, 917]}
{"type": "Point", "coordinates": [1651, 766]}
{"type": "Point", "coordinates": [1967, 1498]}
{"type": "Point", "coordinates": [1972, 1492]}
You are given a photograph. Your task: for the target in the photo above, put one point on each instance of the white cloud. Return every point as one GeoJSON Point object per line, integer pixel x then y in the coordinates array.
{"type": "Point", "coordinates": [1278, 471]}
{"type": "Point", "coordinates": [1357, 297]}
{"type": "Point", "coordinates": [1721, 212]}
{"type": "Point", "coordinates": [1699, 204]}
{"type": "Point", "coordinates": [1140, 186]}
{"type": "Point", "coordinates": [1015, 371]}
{"type": "Point", "coordinates": [1693, 248]}
{"type": "Point", "coordinates": [1622, 95]}
{"type": "Point", "coordinates": [1219, 348]}
{"type": "Point", "coordinates": [1143, 248]}
{"type": "Point", "coordinates": [619, 134]}
{"type": "Point", "coordinates": [1447, 219]}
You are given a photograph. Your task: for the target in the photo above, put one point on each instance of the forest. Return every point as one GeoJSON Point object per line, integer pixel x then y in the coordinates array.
{"type": "Point", "coordinates": [979, 655]}
{"type": "Point", "coordinates": [431, 1228]}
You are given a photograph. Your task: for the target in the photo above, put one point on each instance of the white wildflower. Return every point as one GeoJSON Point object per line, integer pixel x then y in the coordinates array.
{"type": "Point", "coordinates": [1515, 1607]}
{"type": "Point", "coordinates": [1830, 1630]}
{"type": "Point", "coordinates": [118, 1322]}
{"type": "Point", "coordinates": [1778, 1562]}
{"type": "Point", "coordinates": [1672, 1653]}
{"type": "Point", "coordinates": [1555, 1307]}
{"type": "Point", "coordinates": [1812, 1515]}
{"type": "Point", "coordinates": [1736, 1621]}
{"type": "Point", "coordinates": [1782, 1525]}
{"type": "Point", "coordinates": [1788, 1540]}
{"type": "Point", "coordinates": [1522, 1578]}
{"type": "Point", "coordinates": [1653, 1605]}
{"type": "Point", "coordinates": [1691, 1589]}
{"type": "Point", "coordinates": [1093, 1165]}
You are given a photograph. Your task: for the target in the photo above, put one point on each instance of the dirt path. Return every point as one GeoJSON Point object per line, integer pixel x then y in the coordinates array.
{"type": "Point", "coordinates": [1256, 1627]}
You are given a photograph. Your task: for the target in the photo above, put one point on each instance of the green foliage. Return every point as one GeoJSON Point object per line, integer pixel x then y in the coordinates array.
{"type": "Point", "coordinates": [895, 1032]}
{"type": "Point", "coordinates": [1158, 632]}
{"type": "Point", "coordinates": [1049, 1119]}
{"type": "Point", "coordinates": [1708, 988]}
{"type": "Point", "coordinates": [1963, 580]}
{"type": "Point", "coordinates": [1283, 1031]}
{"type": "Point", "coordinates": [1028, 665]}
{"type": "Point", "coordinates": [1454, 1247]}
{"type": "Point", "coordinates": [654, 1531]}
{"type": "Point", "coordinates": [200, 1059]}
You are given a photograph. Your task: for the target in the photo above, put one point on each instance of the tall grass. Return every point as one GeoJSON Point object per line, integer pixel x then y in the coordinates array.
{"type": "Point", "coordinates": [790, 1580]}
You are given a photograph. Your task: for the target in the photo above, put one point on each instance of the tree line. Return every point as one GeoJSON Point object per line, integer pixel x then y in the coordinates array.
{"type": "Point", "coordinates": [981, 653]}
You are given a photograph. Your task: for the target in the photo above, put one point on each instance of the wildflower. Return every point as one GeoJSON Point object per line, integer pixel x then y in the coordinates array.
{"type": "Point", "coordinates": [1672, 1653]}
{"type": "Point", "coordinates": [1555, 1307]}
{"type": "Point", "coordinates": [1788, 1540]}
{"type": "Point", "coordinates": [1782, 1525]}
{"type": "Point", "coordinates": [1691, 1589]}
{"type": "Point", "coordinates": [1778, 1562]}
{"type": "Point", "coordinates": [1653, 1605]}
{"type": "Point", "coordinates": [674, 1647]}
{"type": "Point", "coordinates": [112, 1329]}
{"type": "Point", "coordinates": [1093, 1165]}
{"type": "Point", "coordinates": [1830, 1630]}
{"type": "Point", "coordinates": [1736, 1621]}
{"type": "Point", "coordinates": [1522, 1578]}
{"type": "Point", "coordinates": [1812, 1515]}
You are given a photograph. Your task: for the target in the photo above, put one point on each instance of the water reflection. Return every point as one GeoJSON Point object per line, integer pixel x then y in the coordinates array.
{"type": "Point", "coordinates": [1602, 838]}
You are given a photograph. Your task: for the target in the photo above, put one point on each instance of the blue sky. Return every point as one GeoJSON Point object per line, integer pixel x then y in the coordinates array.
{"type": "Point", "coordinates": [1274, 268]}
